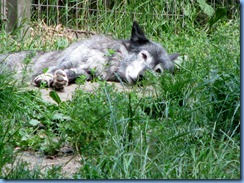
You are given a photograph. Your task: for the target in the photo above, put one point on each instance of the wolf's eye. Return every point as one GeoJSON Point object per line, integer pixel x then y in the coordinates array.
{"type": "Point", "coordinates": [144, 56]}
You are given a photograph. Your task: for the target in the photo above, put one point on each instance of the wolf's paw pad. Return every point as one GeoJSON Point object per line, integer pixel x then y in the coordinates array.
{"type": "Point", "coordinates": [60, 79]}
{"type": "Point", "coordinates": [44, 79]}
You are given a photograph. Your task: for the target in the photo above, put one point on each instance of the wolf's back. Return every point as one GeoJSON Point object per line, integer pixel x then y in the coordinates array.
{"type": "Point", "coordinates": [13, 61]}
{"type": "Point", "coordinates": [26, 60]}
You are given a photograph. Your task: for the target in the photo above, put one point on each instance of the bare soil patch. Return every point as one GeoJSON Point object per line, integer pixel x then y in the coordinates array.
{"type": "Point", "coordinates": [69, 164]}
{"type": "Point", "coordinates": [67, 92]}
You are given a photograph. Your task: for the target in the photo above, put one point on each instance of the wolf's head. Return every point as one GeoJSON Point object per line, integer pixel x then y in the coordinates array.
{"type": "Point", "coordinates": [144, 55]}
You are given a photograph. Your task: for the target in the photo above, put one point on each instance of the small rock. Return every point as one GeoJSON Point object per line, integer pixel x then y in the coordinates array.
{"type": "Point", "coordinates": [67, 150]}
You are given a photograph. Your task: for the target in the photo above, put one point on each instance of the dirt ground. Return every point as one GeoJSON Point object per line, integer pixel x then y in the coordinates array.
{"type": "Point", "coordinates": [70, 163]}
{"type": "Point", "coordinates": [66, 94]}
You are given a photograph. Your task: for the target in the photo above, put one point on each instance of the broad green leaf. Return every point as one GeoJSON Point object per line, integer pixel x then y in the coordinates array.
{"type": "Point", "coordinates": [60, 116]}
{"type": "Point", "coordinates": [34, 122]}
{"type": "Point", "coordinates": [206, 8]}
{"type": "Point", "coordinates": [55, 97]}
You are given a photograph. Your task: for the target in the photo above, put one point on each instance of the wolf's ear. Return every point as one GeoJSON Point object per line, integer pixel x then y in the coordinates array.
{"type": "Point", "coordinates": [173, 56]}
{"type": "Point", "coordinates": [137, 34]}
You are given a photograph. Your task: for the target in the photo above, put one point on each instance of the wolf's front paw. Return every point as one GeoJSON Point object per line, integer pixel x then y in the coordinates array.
{"type": "Point", "coordinates": [45, 79]}
{"type": "Point", "coordinates": [60, 79]}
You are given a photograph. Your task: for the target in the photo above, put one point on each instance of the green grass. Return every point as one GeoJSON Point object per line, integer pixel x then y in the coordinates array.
{"type": "Point", "coordinates": [188, 129]}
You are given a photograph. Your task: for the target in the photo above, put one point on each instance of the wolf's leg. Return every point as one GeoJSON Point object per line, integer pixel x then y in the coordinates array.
{"type": "Point", "coordinates": [61, 77]}
{"type": "Point", "coordinates": [58, 79]}
{"type": "Point", "coordinates": [54, 73]}
{"type": "Point", "coordinates": [46, 79]}
{"type": "Point", "coordinates": [74, 73]}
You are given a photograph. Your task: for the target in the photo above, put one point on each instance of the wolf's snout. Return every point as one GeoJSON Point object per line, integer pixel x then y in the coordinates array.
{"type": "Point", "coordinates": [140, 77]}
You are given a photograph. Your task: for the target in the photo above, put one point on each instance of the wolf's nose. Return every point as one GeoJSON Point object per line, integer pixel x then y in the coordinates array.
{"type": "Point", "coordinates": [140, 77]}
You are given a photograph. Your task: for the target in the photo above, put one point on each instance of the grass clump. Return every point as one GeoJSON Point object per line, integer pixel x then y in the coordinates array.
{"type": "Point", "coordinates": [190, 129]}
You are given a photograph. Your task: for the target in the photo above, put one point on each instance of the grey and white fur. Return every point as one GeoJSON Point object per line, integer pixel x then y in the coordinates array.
{"type": "Point", "coordinates": [101, 56]}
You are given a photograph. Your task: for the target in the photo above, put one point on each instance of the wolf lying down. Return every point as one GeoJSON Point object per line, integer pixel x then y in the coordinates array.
{"type": "Point", "coordinates": [100, 56]}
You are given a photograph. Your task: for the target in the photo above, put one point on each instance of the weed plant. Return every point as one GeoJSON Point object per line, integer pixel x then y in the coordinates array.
{"type": "Point", "coordinates": [189, 128]}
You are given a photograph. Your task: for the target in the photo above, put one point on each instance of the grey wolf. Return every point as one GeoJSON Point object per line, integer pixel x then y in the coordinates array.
{"type": "Point", "coordinates": [99, 56]}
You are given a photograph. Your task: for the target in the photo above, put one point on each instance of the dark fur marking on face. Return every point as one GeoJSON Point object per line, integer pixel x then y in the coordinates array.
{"type": "Point", "coordinates": [137, 36]}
